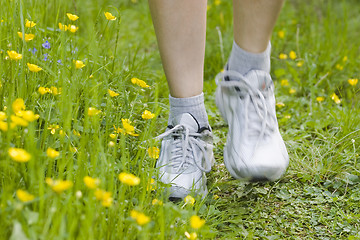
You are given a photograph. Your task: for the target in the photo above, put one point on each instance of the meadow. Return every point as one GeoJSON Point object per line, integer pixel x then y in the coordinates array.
{"type": "Point", "coordinates": [83, 94]}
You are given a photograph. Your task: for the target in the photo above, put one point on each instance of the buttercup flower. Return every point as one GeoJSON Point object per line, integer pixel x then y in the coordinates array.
{"type": "Point", "coordinates": [189, 200]}
{"type": "Point", "coordinates": [196, 222]}
{"type": "Point", "coordinates": [52, 153]}
{"type": "Point", "coordinates": [63, 27]}
{"type": "Point", "coordinates": [91, 183]}
{"type": "Point", "coordinates": [154, 152]}
{"type": "Point", "coordinates": [79, 64]}
{"type": "Point", "coordinates": [72, 17]}
{"type": "Point", "coordinates": [129, 179]}
{"type": "Point", "coordinates": [28, 37]}
{"type": "Point", "coordinates": [14, 55]}
{"type": "Point", "coordinates": [281, 34]}
{"type": "Point", "coordinates": [29, 24]}
{"type": "Point", "coordinates": [339, 67]}
{"type": "Point", "coordinates": [112, 93]}
{"type": "Point", "coordinates": [18, 121]}
{"type": "Point", "coordinates": [24, 196]}
{"type": "Point", "coordinates": [109, 16]}
{"type": "Point", "coordinates": [33, 67]}
{"type": "Point", "coordinates": [320, 99]}
{"type": "Point", "coordinates": [283, 56]}
{"type": "Point", "coordinates": [300, 63]}
{"type": "Point", "coordinates": [18, 105]}
{"type": "Point", "coordinates": [53, 128]}
{"type": "Point", "coordinates": [353, 81]}
{"type": "Point", "coordinates": [284, 82]}
{"type": "Point", "coordinates": [29, 116]}
{"type": "Point", "coordinates": [93, 111]}
{"type": "Point", "coordinates": [19, 155]}
{"type": "Point", "coordinates": [280, 104]}
{"type": "Point", "coordinates": [156, 202]}
{"type": "Point", "coordinates": [139, 217]}
{"type": "Point", "coordinates": [139, 82]}
{"type": "Point", "coordinates": [292, 91]}
{"type": "Point", "coordinates": [129, 129]}
{"type": "Point", "coordinates": [191, 236]}
{"type": "Point", "coordinates": [292, 55]}
{"type": "Point", "coordinates": [147, 115]}
{"type": "Point", "coordinates": [59, 186]}
{"type": "Point", "coordinates": [104, 197]}
{"type": "Point", "coordinates": [72, 28]}
{"type": "Point", "coordinates": [335, 98]}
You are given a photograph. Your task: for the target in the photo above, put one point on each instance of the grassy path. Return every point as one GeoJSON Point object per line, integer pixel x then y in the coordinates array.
{"type": "Point", "coordinates": [315, 64]}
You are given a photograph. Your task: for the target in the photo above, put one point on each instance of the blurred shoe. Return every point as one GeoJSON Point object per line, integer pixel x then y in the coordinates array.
{"type": "Point", "coordinates": [255, 150]}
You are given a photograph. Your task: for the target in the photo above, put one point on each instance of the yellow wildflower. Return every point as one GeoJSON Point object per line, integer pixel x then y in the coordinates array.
{"type": "Point", "coordinates": [217, 2]}
{"type": "Point", "coordinates": [112, 135]}
{"type": "Point", "coordinates": [283, 56]}
{"type": "Point", "coordinates": [353, 81]}
{"type": "Point", "coordinates": [139, 82]}
{"type": "Point", "coordinates": [154, 152]}
{"type": "Point", "coordinates": [59, 186]}
{"type": "Point", "coordinates": [280, 104]}
{"type": "Point", "coordinates": [300, 63]}
{"type": "Point", "coordinates": [139, 217]}
{"type": "Point", "coordinates": [292, 55]}
{"type": "Point", "coordinates": [79, 64]}
{"type": "Point", "coordinates": [151, 185]}
{"type": "Point", "coordinates": [28, 37]}
{"type": "Point", "coordinates": [189, 200]}
{"type": "Point", "coordinates": [54, 90]}
{"type": "Point", "coordinates": [18, 105]}
{"type": "Point", "coordinates": [156, 202]}
{"type": "Point", "coordinates": [128, 128]}
{"type": "Point", "coordinates": [191, 236]}
{"type": "Point", "coordinates": [29, 24]}
{"type": "Point", "coordinates": [4, 126]}
{"type": "Point", "coordinates": [19, 154]}
{"type": "Point", "coordinates": [287, 116]}
{"type": "Point", "coordinates": [281, 34]}
{"type": "Point", "coordinates": [104, 197]}
{"type": "Point", "coordinates": [18, 121]}
{"type": "Point", "coordinates": [93, 111]}
{"type": "Point", "coordinates": [292, 91]}
{"type": "Point", "coordinates": [91, 183]}
{"type": "Point", "coordinates": [72, 17]}
{"type": "Point", "coordinates": [72, 28]}
{"type": "Point", "coordinates": [52, 153]}
{"type": "Point", "coordinates": [196, 222]}
{"type": "Point", "coordinates": [63, 27]}
{"type": "Point", "coordinates": [24, 196]}
{"type": "Point", "coordinates": [109, 16]}
{"type": "Point", "coordinates": [339, 67]}
{"type": "Point", "coordinates": [2, 116]}
{"type": "Point", "coordinates": [335, 98]}
{"type": "Point", "coordinates": [284, 82]}
{"type": "Point", "coordinates": [42, 90]}
{"type": "Point", "coordinates": [345, 58]}
{"type": "Point", "coordinates": [112, 93]}
{"type": "Point", "coordinates": [147, 115]}
{"type": "Point", "coordinates": [14, 55]}
{"type": "Point", "coordinates": [76, 133]}
{"type": "Point", "coordinates": [320, 99]}
{"type": "Point", "coordinates": [53, 128]}
{"type": "Point", "coordinates": [129, 179]}
{"type": "Point", "coordinates": [33, 67]}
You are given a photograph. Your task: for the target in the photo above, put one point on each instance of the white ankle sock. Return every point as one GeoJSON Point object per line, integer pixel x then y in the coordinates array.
{"type": "Point", "coordinates": [193, 105]}
{"type": "Point", "coordinates": [243, 61]}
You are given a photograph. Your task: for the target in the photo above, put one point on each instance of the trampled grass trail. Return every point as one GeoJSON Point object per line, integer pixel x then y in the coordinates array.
{"type": "Point", "coordinates": [83, 94]}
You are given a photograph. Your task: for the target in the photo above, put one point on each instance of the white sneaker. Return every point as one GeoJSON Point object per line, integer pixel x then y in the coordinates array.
{"type": "Point", "coordinates": [186, 155]}
{"type": "Point", "coordinates": [255, 150]}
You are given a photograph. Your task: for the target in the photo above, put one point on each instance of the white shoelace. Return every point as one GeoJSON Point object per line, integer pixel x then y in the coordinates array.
{"type": "Point", "coordinates": [255, 106]}
{"type": "Point", "coordinates": [184, 149]}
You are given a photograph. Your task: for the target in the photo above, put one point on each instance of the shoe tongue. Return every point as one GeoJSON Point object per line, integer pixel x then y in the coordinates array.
{"type": "Point", "coordinates": [188, 121]}
{"type": "Point", "coordinates": [258, 79]}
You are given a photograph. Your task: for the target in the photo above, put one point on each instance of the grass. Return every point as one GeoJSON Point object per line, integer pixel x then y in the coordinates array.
{"type": "Point", "coordinates": [317, 198]}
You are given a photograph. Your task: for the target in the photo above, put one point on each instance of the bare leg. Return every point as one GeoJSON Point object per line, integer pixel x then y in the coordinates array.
{"type": "Point", "coordinates": [180, 27]}
{"type": "Point", "coordinates": [254, 21]}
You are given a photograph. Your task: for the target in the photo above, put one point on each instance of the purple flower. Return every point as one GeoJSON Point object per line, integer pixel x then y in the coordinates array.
{"type": "Point", "coordinates": [46, 44]}
{"type": "Point", "coordinates": [59, 62]}
{"type": "Point", "coordinates": [46, 56]}
{"type": "Point", "coordinates": [33, 51]}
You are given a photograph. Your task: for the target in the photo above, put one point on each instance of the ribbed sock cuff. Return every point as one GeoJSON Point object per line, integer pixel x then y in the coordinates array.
{"type": "Point", "coordinates": [243, 61]}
